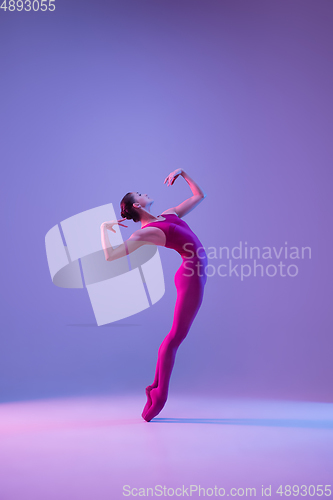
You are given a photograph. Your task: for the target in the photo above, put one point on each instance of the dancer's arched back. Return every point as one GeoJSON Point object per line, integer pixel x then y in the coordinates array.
{"type": "Point", "coordinates": [169, 230]}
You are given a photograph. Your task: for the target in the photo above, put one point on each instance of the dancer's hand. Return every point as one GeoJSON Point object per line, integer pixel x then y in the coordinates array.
{"type": "Point", "coordinates": [109, 225]}
{"type": "Point", "coordinates": [173, 176]}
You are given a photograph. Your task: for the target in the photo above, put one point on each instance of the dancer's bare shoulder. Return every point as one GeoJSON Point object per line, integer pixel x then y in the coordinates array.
{"type": "Point", "coordinates": [170, 211]}
{"type": "Point", "coordinates": [152, 235]}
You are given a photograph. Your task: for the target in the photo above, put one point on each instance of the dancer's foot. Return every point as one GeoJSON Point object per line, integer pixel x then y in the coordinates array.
{"type": "Point", "coordinates": [149, 401]}
{"type": "Point", "coordinates": [158, 402]}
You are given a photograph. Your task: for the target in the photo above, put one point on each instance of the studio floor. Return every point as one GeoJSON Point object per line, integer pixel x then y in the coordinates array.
{"type": "Point", "coordinates": [99, 448]}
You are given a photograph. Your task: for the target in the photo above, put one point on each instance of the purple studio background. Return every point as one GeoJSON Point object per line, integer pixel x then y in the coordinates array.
{"type": "Point", "coordinates": [98, 99]}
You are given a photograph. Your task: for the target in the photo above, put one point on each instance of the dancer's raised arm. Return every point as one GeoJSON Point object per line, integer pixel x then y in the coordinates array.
{"type": "Point", "coordinates": [188, 205]}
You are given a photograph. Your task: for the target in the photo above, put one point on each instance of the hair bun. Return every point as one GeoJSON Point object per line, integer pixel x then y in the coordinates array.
{"type": "Point", "coordinates": [124, 213]}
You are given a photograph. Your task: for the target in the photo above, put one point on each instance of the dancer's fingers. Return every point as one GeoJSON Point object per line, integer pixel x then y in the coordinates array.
{"type": "Point", "coordinates": [168, 179]}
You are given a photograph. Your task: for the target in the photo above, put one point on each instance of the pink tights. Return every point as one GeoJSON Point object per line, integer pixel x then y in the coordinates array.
{"type": "Point", "coordinates": [189, 298]}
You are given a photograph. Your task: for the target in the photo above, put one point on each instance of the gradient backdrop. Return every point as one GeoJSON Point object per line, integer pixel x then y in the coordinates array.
{"type": "Point", "coordinates": [105, 97]}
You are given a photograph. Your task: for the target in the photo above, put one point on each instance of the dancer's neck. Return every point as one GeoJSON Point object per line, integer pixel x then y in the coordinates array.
{"type": "Point", "coordinates": [146, 218]}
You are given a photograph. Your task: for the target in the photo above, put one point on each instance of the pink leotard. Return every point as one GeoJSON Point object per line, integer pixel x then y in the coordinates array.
{"type": "Point", "coordinates": [190, 280]}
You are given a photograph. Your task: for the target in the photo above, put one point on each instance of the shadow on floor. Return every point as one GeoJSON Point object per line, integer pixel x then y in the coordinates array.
{"type": "Point", "coordinates": [263, 422]}
{"type": "Point", "coordinates": [109, 325]}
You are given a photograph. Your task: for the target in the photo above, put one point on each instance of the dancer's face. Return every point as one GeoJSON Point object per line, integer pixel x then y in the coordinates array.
{"type": "Point", "coordinates": [143, 199]}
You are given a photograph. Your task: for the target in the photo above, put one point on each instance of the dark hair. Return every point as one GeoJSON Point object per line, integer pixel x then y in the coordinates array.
{"type": "Point", "coordinates": [127, 209]}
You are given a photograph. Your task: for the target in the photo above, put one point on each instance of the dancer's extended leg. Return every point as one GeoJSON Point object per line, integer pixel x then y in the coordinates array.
{"type": "Point", "coordinates": [153, 385]}
{"type": "Point", "coordinates": [189, 298]}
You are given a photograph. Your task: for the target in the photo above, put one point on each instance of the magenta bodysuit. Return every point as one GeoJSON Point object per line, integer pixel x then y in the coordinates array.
{"type": "Point", "coordinates": [190, 280]}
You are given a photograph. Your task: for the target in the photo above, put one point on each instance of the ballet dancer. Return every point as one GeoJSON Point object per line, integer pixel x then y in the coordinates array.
{"type": "Point", "coordinates": [168, 230]}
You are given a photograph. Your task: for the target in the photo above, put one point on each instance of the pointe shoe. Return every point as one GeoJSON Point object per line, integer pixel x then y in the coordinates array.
{"type": "Point", "coordinates": [158, 403]}
{"type": "Point", "coordinates": [146, 408]}
{"type": "Point", "coordinates": [149, 388]}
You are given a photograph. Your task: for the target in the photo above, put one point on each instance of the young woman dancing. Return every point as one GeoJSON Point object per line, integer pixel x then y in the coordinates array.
{"type": "Point", "coordinates": [169, 230]}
